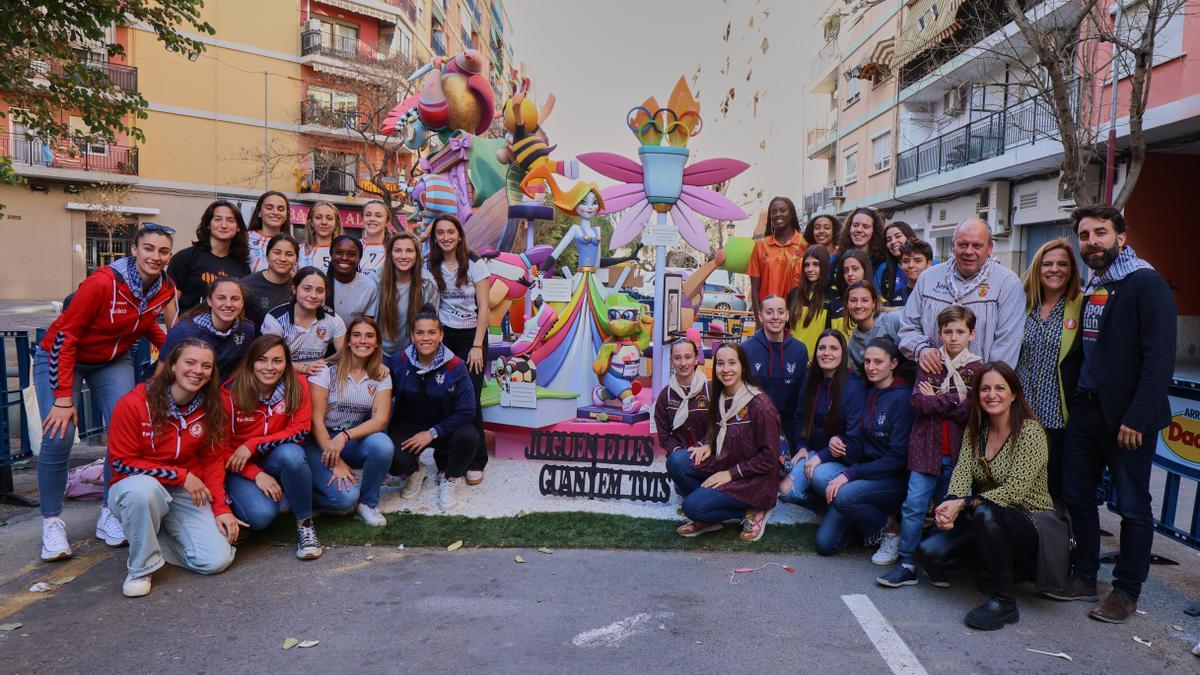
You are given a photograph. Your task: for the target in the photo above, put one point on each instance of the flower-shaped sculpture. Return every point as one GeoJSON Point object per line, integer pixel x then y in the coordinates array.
{"type": "Point", "coordinates": [662, 183]}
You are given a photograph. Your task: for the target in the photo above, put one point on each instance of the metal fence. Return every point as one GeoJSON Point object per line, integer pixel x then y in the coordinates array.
{"type": "Point", "coordinates": [16, 373]}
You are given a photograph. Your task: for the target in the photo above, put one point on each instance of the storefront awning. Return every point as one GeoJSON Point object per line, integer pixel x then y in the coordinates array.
{"type": "Point", "coordinates": [928, 22]}
{"type": "Point", "coordinates": [383, 13]}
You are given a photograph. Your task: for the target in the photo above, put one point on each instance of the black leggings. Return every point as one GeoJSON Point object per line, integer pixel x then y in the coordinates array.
{"type": "Point", "coordinates": [460, 341]}
{"type": "Point", "coordinates": [452, 453]}
{"type": "Point", "coordinates": [1054, 469]}
{"type": "Point", "coordinates": [1000, 537]}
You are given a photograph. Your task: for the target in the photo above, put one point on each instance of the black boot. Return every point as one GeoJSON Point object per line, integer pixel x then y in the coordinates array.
{"type": "Point", "coordinates": [993, 614]}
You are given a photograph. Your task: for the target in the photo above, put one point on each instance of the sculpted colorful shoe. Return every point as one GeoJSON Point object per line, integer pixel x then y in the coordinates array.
{"type": "Point", "coordinates": [534, 330]}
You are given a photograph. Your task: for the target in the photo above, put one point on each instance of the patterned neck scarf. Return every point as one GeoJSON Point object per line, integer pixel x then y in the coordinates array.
{"type": "Point", "coordinates": [127, 269]}
{"type": "Point", "coordinates": [205, 322]}
{"type": "Point", "coordinates": [696, 388]}
{"type": "Point", "coordinates": [1127, 263]}
{"type": "Point", "coordinates": [953, 377]}
{"type": "Point", "coordinates": [738, 401]}
{"type": "Point", "coordinates": [174, 412]}
{"type": "Point", "coordinates": [276, 396]}
{"type": "Point", "coordinates": [960, 287]}
{"type": "Point", "coordinates": [439, 359]}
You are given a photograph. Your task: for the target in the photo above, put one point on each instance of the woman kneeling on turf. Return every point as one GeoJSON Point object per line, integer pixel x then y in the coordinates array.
{"type": "Point", "coordinates": [738, 472]}
{"type": "Point", "coordinates": [681, 411]}
{"type": "Point", "coordinates": [434, 408]}
{"type": "Point", "coordinates": [166, 445]}
{"type": "Point", "coordinates": [998, 504]}
{"type": "Point", "coordinates": [271, 414]}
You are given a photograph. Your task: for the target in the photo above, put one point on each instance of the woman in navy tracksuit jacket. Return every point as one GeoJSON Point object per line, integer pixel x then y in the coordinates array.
{"type": "Point", "coordinates": [864, 476]}
{"type": "Point", "coordinates": [778, 364]}
{"type": "Point", "coordinates": [433, 405]}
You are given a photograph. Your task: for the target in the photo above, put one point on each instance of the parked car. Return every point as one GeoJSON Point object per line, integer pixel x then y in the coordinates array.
{"type": "Point", "coordinates": [723, 297]}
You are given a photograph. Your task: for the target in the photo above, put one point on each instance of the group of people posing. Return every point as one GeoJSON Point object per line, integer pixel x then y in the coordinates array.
{"type": "Point", "coordinates": [950, 412]}
{"type": "Point", "coordinates": [284, 368]}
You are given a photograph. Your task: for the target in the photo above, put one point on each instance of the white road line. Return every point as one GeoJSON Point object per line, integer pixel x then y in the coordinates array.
{"type": "Point", "coordinates": [887, 641]}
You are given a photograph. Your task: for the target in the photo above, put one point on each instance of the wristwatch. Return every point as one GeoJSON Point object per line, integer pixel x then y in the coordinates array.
{"type": "Point", "coordinates": [433, 432]}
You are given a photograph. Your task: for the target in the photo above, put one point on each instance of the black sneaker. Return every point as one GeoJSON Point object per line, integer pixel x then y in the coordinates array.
{"type": "Point", "coordinates": [993, 614]}
{"type": "Point", "coordinates": [937, 576]}
{"type": "Point", "coordinates": [308, 547]}
{"type": "Point", "coordinates": [1074, 590]}
{"type": "Point", "coordinates": [903, 575]}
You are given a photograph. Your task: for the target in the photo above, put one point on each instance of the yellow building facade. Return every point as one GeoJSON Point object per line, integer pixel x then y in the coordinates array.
{"type": "Point", "coordinates": [230, 124]}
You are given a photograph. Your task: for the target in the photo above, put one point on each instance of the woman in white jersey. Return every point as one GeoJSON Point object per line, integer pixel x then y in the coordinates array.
{"type": "Point", "coordinates": [312, 331]}
{"type": "Point", "coordinates": [351, 405]}
{"type": "Point", "coordinates": [323, 224]}
{"type": "Point", "coordinates": [379, 222]}
{"type": "Point", "coordinates": [270, 217]}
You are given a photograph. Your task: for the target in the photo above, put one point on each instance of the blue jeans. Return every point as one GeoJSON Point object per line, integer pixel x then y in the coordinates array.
{"type": "Point", "coordinates": [289, 466]}
{"type": "Point", "coordinates": [372, 454]}
{"type": "Point", "coordinates": [686, 477]}
{"type": "Point", "coordinates": [860, 509]}
{"type": "Point", "coordinates": [163, 526]}
{"type": "Point", "coordinates": [800, 492]}
{"type": "Point", "coordinates": [921, 488]}
{"type": "Point", "coordinates": [109, 382]}
{"type": "Point", "coordinates": [701, 504]}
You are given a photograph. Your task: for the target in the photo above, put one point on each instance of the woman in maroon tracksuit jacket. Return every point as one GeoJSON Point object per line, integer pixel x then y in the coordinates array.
{"type": "Point", "coordinates": [738, 472]}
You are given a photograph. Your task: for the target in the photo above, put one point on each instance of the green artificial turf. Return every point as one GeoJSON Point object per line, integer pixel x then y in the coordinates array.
{"type": "Point", "coordinates": [551, 530]}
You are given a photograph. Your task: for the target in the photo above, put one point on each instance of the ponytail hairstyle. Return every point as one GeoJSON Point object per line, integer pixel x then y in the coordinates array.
{"type": "Point", "coordinates": [868, 287]}
{"type": "Point", "coordinates": [216, 417]}
{"type": "Point", "coordinates": [389, 314]}
{"type": "Point", "coordinates": [310, 233]}
{"type": "Point", "coordinates": [389, 227]}
{"type": "Point", "coordinates": [205, 305]}
{"type": "Point", "coordinates": [838, 383]}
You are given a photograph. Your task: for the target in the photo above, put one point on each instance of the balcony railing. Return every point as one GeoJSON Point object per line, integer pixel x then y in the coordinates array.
{"type": "Point", "coordinates": [474, 5]}
{"type": "Point", "coordinates": [497, 17]}
{"type": "Point", "coordinates": [410, 8]}
{"type": "Point", "coordinates": [824, 60]}
{"type": "Point", "coordinates": [818, 201]}
{"type": "Point", "coordinates": [438, 42]}
{"type": "Point", "coordinates": [326, 115]}
{"type": "Point", "coordinates": [332, 181]}
{"type": "Point", "coordinates": [338, 46]}
{"type": "Point", "coordinates": [991, 136]}
{"type": "Point", "coordinates": [121, 76]}
{"type": "Point", "coordinates": [69, 154]}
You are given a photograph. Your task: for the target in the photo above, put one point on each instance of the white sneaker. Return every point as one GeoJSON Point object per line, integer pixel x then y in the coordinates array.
{"type": "Point", "coordinates": [371, 516]}
{"type": "Point", "coordinates": [474, 477]}
{"type": "Point", "coordinates": [446, 494]}
{"type": "Point", "coordinates": [108, 528]}
{"type": "Point", "coordinates": [889, 550]}
{"type": "Point", "coordinates": [54, 539]}
{"type": "Point", "coordinates": [413, 484]}
{"type": "Point", "coordinates": [135, 587]}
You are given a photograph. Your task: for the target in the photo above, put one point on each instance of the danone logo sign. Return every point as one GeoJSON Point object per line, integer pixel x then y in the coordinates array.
{"type": "Point", "coordinates": [1179, 443]}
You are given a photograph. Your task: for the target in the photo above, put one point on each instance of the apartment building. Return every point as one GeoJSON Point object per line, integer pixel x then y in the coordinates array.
{"type": "Point", "coordinates": [275, 102]}
{"type": "Point", "coordinates": [972, 138]}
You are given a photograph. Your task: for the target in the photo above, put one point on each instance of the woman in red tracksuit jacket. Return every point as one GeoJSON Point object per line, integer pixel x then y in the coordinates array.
{"type": "Point", "coordinates": [167, 448]}
{"type": "Point", "coordinates": [270, 414]}
{"type": "Point", "coordinates": [89, 342]}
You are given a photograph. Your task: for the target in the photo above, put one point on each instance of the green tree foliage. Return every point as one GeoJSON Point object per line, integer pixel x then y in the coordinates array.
{"type": "Point", "coordinates": [44, 72]}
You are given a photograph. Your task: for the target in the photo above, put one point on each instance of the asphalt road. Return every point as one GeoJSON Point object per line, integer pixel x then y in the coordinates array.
{"type": "Point", "coordinates": [584, 611]}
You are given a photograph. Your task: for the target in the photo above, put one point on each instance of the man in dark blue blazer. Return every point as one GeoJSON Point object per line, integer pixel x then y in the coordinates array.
{"type": "Point", "coordinates": [1127, 344]}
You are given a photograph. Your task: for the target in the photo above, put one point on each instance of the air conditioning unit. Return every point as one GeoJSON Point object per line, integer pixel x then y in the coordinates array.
{"type": "Point", "coordinates": [954, 100]}
{"type": "Point", "coordinates": [839, 192]}
{"type": "Point", "coordinates": [994, 204]}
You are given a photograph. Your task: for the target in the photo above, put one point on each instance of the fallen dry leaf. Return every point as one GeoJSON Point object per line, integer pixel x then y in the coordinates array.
{"type": "Point", "coordinates": [370, 557]}
{"type": "Point", "coordinates": [64, 580]}
{"type": "Point", "coordinates": [546, 550]}
{"type": "Point", "coordinates": [290, 642]}
{"type": "Point", "coordinates": [455, 546]}
{"type": "Point", "coordinates": [1176, 627]}
{"type": "Point", "coordinates": [10, 626]}
{"type": "Point", "coordinates": [519, 559]}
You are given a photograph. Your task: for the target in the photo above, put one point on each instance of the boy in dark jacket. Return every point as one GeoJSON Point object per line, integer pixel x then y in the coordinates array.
{"type": "Point", "coordinates": [941, 403]}
{"type": "Point", "coordinates": [433, 407]}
